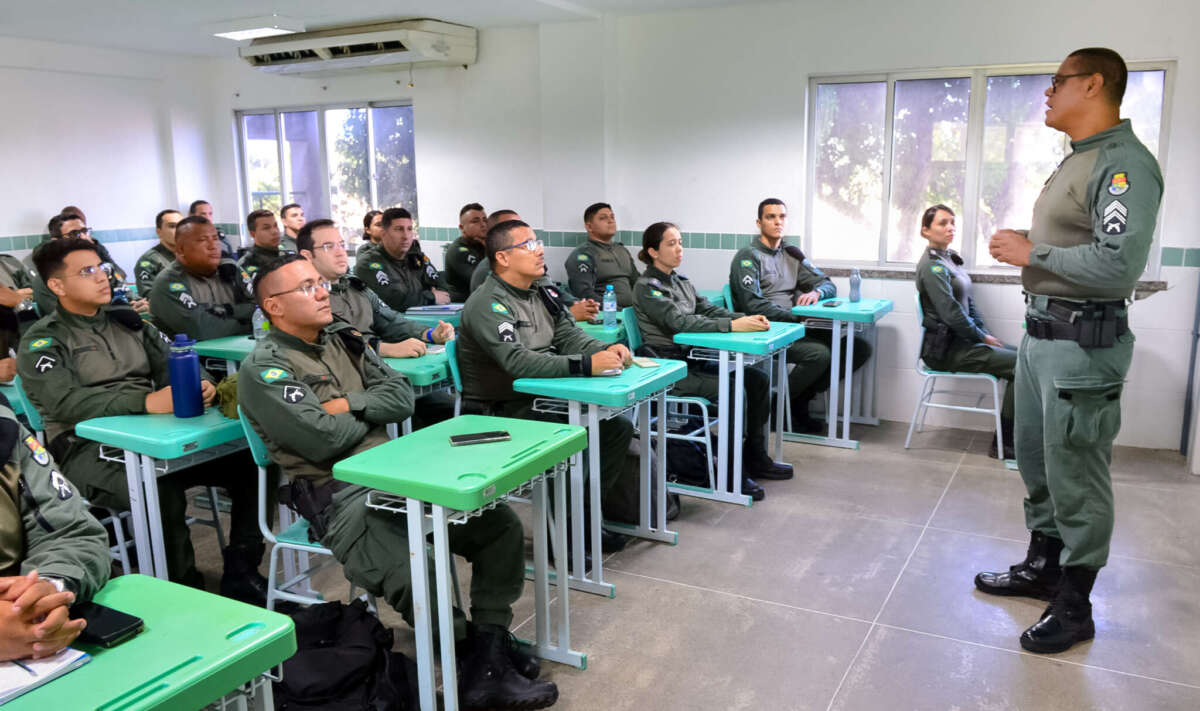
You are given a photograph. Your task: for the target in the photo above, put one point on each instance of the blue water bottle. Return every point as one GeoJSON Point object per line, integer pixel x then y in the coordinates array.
{"type": "Point", "coordinates": [610, 307]}
{"type": "Point", "coordinates": [183, 367]}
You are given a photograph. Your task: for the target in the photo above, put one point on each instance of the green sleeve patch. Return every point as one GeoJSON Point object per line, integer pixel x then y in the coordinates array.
{"type": "Point", "coordinates": [462, 248]}
{"type": "Point", "coordinates": [145, 263]}
{"type": "Point", "coordinates": [270, 375]}
{"type": "Point", "coordinates": [40, 343]}
{"type": "Point", "coordinates": [582, 257]}
{"type": "Point", "coordinates": [747, 263]}
{"type": "Point", "coordinates": [177, 286]}
{"type": "Point", "coordinates": [250, 269]}
{"type": "Point", "coordinates": [499, 307]}
{"type": "Point", "coordinates": [937, 268]}
{"type": "Point", "coordinates": [656, 292]}
{"type": "Point", "coordinates": [375, 265]}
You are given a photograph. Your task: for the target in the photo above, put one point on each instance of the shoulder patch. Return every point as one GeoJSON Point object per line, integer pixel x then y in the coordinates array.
{"type": "Point", "coordinates": [177, 286]}
{"type": "Point", "coordinates": [375, 265]}
{"type": "Point", "coordinates": [61, 486]}
{"type": "Point", "coordinates": [747, 263]}
{"type": "Point", "coordinates": [462, 248]}
{"type": "Point", "coordinates": [582, 257]}
{"type": "Point", "coordinates": [270, 375]}
{"type": "Point", "coordinates": [499, 307]}
{"type": "Point", "coordinates": [1116, 215]}
{"type": "Point", "coordinates": [293, 394]}
{"type": "Point", "coordinates": [145, 263]}
{"type": "Point", "coordinates": [41, 343]}
{"type": "Point", "coordinates": [187, 300]}
{"type": "Point", "coordinates": [251, 269]}
{"type": "Point", "coordinates": [1119, 184]}
{"type": "Point", "coordinates": [936, 268]}
{"type": "Point", "coordinates": [38, 450]}
{"type": "Point", "coordinates": [45, 363]}
{"type": "Point", "coordinates": [506, 332]}
{"type": "Point", "coordinates": [656, 293]}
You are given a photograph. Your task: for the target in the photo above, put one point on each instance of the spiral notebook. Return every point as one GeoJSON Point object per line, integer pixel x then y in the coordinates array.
{"type": "Point", "coordinates": [24, 675]}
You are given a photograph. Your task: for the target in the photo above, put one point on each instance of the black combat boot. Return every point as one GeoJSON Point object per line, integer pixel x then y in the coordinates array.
{"type": "Point", "coordinates": [749, 486]}
{"type": "Point", "coordinates": [1068, 619]}
{"type": "Point", "coordinates": [757, 463]}
{"type": "Point", "coordinates": [489, 679]}
{"type": "Point", "coordinates": [241, 579]}
{"type": "Point", "coordinates": [1010, 452]}
{"type": "Point", "coordinates": [526, 664]}
{"type": "Point", "coordinates": [1037, 576]}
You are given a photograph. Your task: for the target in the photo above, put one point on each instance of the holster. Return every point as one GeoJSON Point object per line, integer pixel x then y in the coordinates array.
{"type": "Point", "coordinates": [937, 342]}
{"type": "Point", "coordinates": [311, 502]}
{"type": "Point", "coordinates": [1092, 324]}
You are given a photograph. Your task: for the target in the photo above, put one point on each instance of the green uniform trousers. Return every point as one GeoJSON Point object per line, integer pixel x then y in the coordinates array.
{"type": "Point", "coordinates": [105, 484]}
{"type": "Point", "coordinates": [758, 402]}
{"type": "Point", "coordinates": [1068, 412]}
{"type": "Point", "coordinates": [372, 547]}
{"type": "Point", "coordinates": [982, 358]}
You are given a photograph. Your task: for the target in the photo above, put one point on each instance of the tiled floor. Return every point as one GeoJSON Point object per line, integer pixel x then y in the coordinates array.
{"type": "Point", "coordinates": [850, 588]}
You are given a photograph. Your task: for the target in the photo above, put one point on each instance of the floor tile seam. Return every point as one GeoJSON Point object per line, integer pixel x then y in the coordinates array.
{"type": "Point", "coordinates": [532, 616]}
{"type": "Point", "coordinates": [1040, 657]}
{"type": "Point", "coordinates": [740, 596]}
{"type": "Point", "coordinates": [896, 582]}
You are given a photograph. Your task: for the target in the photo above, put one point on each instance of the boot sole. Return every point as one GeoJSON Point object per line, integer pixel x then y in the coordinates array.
{"type": "Point", "coordinates": [1031, 645]}
{"type": "Point", "coordinates": [525, 705]}
{"type": "Point", "coordinates": [1045, 596]}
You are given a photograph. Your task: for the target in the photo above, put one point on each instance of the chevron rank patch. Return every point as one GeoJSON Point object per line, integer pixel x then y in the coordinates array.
{"type": "Point", "coordinates": [748, 280]}
{"type": "Point", "coordinates": [40, 343]}
{"type": "Point", "coordinates": [1116, 215]}
{"type": "Point", "coordinates": [61, 486]}
{"type": "Point", "coordinates": [270, 375]}
{"type": "Point", "coordinates": [507, 332]}
{"type": "Point", "coordinates": [38, 450]}
{"type": "Point", "coordinates": [1119, 184]}
{"type": "Point", "coordinates": [499, 307]}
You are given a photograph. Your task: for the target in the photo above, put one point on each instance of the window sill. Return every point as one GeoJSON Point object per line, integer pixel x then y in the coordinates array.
{"type": "Point", "coordinates": [982, 276]}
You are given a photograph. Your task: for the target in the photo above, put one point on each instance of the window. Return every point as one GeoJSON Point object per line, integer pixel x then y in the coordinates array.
{"type": "Point", "coordinates": [338, 161]}
{"type": "Point", "coordinates": [885, 147]}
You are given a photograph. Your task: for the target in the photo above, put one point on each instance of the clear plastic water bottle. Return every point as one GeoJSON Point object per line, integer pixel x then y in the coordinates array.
{"type": "Point", "coordinates": [259, 325]}
{"type": "Point", "coordinates": [610, 307]}
{"type": "Point", "coordinates": [183, 367]}
{"type": "Point", "coordinates": [855, 286]}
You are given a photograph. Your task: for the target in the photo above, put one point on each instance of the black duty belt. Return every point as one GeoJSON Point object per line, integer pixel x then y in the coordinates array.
{"type": "Point", "coordinates": [1091, 324]}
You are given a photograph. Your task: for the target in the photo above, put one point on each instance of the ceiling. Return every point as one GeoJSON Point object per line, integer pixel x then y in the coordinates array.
{"type": "Point", "coordinates": [182, 26]}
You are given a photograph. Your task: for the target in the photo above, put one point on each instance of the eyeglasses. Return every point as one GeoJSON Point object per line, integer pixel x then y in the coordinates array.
{"type": "Point", "coordinates": [1060, 78]}
{"type": "Point", "coordinates": [90, 272]}
{"type": "Point", "coordinates": [308, 288]}
{"type": "Point", "coordinates": [531, 245]}
{"type": "Point", "coordinates": [81, 232]}
{"type": "Point", "coordinates": [330, 246]}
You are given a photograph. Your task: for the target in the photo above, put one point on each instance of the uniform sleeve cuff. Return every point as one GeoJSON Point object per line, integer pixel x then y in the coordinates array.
{"type": "Point", "coordinates": [357, 401]}
{"type": "Point", "coordinates": [725, 325]}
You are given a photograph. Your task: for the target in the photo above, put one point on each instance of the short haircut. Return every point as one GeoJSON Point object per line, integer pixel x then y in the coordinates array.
{"type": "Point", "coordinates": [284, 210]}
{"type": "Point", "coordinates": [499, 238]}
{"type": "Point", "coordinates": [304, 238]}
{"type": "Point", "coordinates": [72, 210]}
{"type": "Point", "coordinates": [652, 239]}
{"type": "Point", "coordinates": [1109, 65]}
{"type": "Point", "coordinates": [48, 257]}
{"type": "Point", "coordinates": [495, 218]}
{"type": "Point", "coordinates": [54, 226]}
{"type": "Point", "coordinates": [158, 219]}
{"type": "Point", "coordinates": [267, 269]}
{"type": "Point", "coordinates": [931, 212]}
{"type": "Point", "coordinates": [392, 214]}
{"type": "Point", "coordinates": [185, 224]}
{"type": "Point", "coordinates": [196, 206]}
{"type": "Point", "coordinates": [769, 201]}
{"type": "Point", "coordinates": [253, 218]}
{"type": "Point", "coordinates": [471, 206]}
{"type": "Point", "coordinates": [592, 209]}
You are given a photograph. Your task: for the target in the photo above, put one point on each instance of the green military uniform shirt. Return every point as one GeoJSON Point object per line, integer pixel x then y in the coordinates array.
{"type": "Point", "coordinates": [203, 307]}
{"type": "Point", "coordinates": [594, 265]}
{"type": "Point", "coordinates": [945, 289]}
{"type": "Point", "coordinates": [150, 265]}
{"type": "Point", "coordinates": [44, 523]}
{"type": "Point", "coordinates": [283, 382]}
{"type": "Point", "coordinates": [508, 333]}
{"type": "Point", "coordinates": [1093, 223]}
{"type": "Point", "coordinates": [768, 281]}
{"type": "Point", "coordinates": [462, 257]}
{"type": "Point", "coordinates": [287, 244]}
{"type": "Point", "coordinates": [666, 304]}
{"type": "Point", "coordinates": [400, 283]}
{"type": "Point", "coordinates": [256, 257]}
{"type": "Point", "coordinates": [352, 302]}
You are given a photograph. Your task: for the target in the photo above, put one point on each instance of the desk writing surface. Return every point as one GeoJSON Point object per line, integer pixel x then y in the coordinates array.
{"type": "Point", "coordinates": [633, 384]}
{"type": "Point", "coordinates": [162, 436]}
{"type": "Point", "coordinates": [195, 648]}
{"type": "Point", "coordinates": [865, 311]}
{"type": "Point", "coordinates": [426, 370]}
{"type": "Point", "coordinates": [600, 333]}
{"type": "Point", "coordinates": [430, 319]}
{"type": "Point", "coordinates": [423, 465]}
{"type": "Point", "coordinates": [754, 342]}
{"type": "Point", "coordinates": [229, 347]}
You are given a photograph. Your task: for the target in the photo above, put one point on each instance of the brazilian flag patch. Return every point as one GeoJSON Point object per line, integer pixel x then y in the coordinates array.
{"type": "Point", "coordinates": [270, 375]}
{"type": "Point", "coordinates": [375, 265]}
{"type": "Point", "coordinates": [177, 286]}
{"type": "Point", "coordinates": [462, 248]}
{"type": "Point", "coordinates": [145, 263]}
{"type": "Point", "coordinates": [582, 257]}
{"type": "Point", "coordinates": [747, 263]}
{"type": "Point", "coordinates": [937, 268]}
{"type": "Point", "coordinates": [656, 292]}
{"type": "Point", "coordinates": [499, 307]}
{"type": "Point", "coordinates": [40, 343]}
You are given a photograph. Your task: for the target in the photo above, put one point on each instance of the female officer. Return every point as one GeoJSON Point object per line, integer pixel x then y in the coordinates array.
{"type": "Point", "coordinates": [956, 338]}
{"type": "Point", "coordinates": [666, 303]}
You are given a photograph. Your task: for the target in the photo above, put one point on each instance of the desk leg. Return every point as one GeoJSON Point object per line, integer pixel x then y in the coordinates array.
{"type": "Point", "coordinates": [723, 472]}
{"type": "Point", "coordinates": [580, 579]}
{"type": "Point", "coordinates": [596, 511]}
{"type": "Point", "coordinates": [645, 528]}
{"type": "Point", "coordinates": [835, 369]}
{"type": "Point", "coordinates": [836, 406]}
{"type": "Point", "coordinates": [847, 408]}
{"type": "Point", "coordinates": [154, 516]}
{"type": "Point", "coordinates": [137, 512]}
{"type": "Point", "coordinates": [406, 426]}
{"type": "Point", "coordinates": [560, 652]}
{"type": "Point", "coordinates": [422, 625]}
{"type": "Point", "coordinates": [739, 402]}
{"type": "Point", "coordinates": [781, 400]}
{"type": "Point", "coordinates": [445, 608]}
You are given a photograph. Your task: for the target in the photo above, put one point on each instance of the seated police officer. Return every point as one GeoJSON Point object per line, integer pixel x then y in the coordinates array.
{"type": "Point", "coordinates": [293, 219]}
{"type": "Point", "coordinates": [601, 260]}
{"type": "Point", "coordinates": [201, 294]}
{"type": "Point", "coordinates": [52, 551]}
{"type": "Point", "coordinates": [160, 256]}
{"type": "Point", "coordinates": [464, 254]}
{"type": "Point", "coordinates": [396, 269]}
{"type": "Point", "coordinates": [512, 329]}
{"type": "Point", "coordinates": [666, 303]}
{"type": "Point", "coordinates": [956, 338]}
{"type": "Point", "coordinates": [264, 233]}
{"type": "Point", "coordinates": [317, 394]}
{"type": "Point", "coordinates": [769, 277]}
{"type": "Point", "coordinates": [87, 360]}
{"type": "Point", "coordinates": [72, 224]}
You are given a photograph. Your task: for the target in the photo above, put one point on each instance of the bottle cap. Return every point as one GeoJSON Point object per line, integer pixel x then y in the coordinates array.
{"type": "Point", "coordinates": [182, 341]}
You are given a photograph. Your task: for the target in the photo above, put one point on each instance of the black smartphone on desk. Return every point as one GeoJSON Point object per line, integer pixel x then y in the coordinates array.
{"type": "Point", "coordinates": [105, 626]}
{"type": "Point", "coordinates": [479, 438]}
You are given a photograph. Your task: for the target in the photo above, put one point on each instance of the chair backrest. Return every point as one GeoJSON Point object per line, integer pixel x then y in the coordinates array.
{"type": "Point", "coordinates": [452, 359]}
{"type": "Point", "coordinates": [258, 448]}
{"type": "Point", "coordinates": [633, 331]}
{"type": "Point", "coordinates": [31, 413]}
{"type": "Point", "coordinates": [727, 294]}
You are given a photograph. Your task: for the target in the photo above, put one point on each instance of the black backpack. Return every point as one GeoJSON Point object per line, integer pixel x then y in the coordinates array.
{"type": "Point", "coordinates": [344, 662]}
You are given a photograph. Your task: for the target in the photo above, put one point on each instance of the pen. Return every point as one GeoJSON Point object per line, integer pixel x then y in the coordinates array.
{"type": "Point", "coordinates": [25, 667]}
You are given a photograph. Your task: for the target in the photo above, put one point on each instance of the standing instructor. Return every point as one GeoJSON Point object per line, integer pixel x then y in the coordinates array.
{"type": "Point", "coordinates": [1093, 225]}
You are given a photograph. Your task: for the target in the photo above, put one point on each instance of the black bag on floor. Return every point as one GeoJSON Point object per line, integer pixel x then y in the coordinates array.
{"type": "Point", "coordinates": [344, 662]}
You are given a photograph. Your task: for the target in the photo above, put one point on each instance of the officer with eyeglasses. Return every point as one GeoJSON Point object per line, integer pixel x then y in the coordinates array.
{"type": "Point", "coordinates": [201, 293]}
{"type": "Point", "coordinates": [1093, 225]}
{"type": "Point", "coordinates": [72, 225]}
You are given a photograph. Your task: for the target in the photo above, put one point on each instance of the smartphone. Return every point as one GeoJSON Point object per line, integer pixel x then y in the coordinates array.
{"type": "Point", "coordinates": [832, 304]}
{"type": "Point", "coordinates": [105, 626]}
{"type": "Point", "coordinates": [611, 371]}
{"type": "Point", "coordinates": [479, 438]}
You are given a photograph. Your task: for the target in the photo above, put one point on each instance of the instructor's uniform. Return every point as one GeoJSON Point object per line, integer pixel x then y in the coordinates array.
{"type": "Point", "coordinates": [1093, 225]}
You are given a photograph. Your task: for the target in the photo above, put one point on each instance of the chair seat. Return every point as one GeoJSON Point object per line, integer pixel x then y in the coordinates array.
{"type": "Point", "coordinates": [297, 535]}
{"type": "Point", "coordinates": [956, 374]}
{"type": "Point", "coordinates": [692, 398]}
